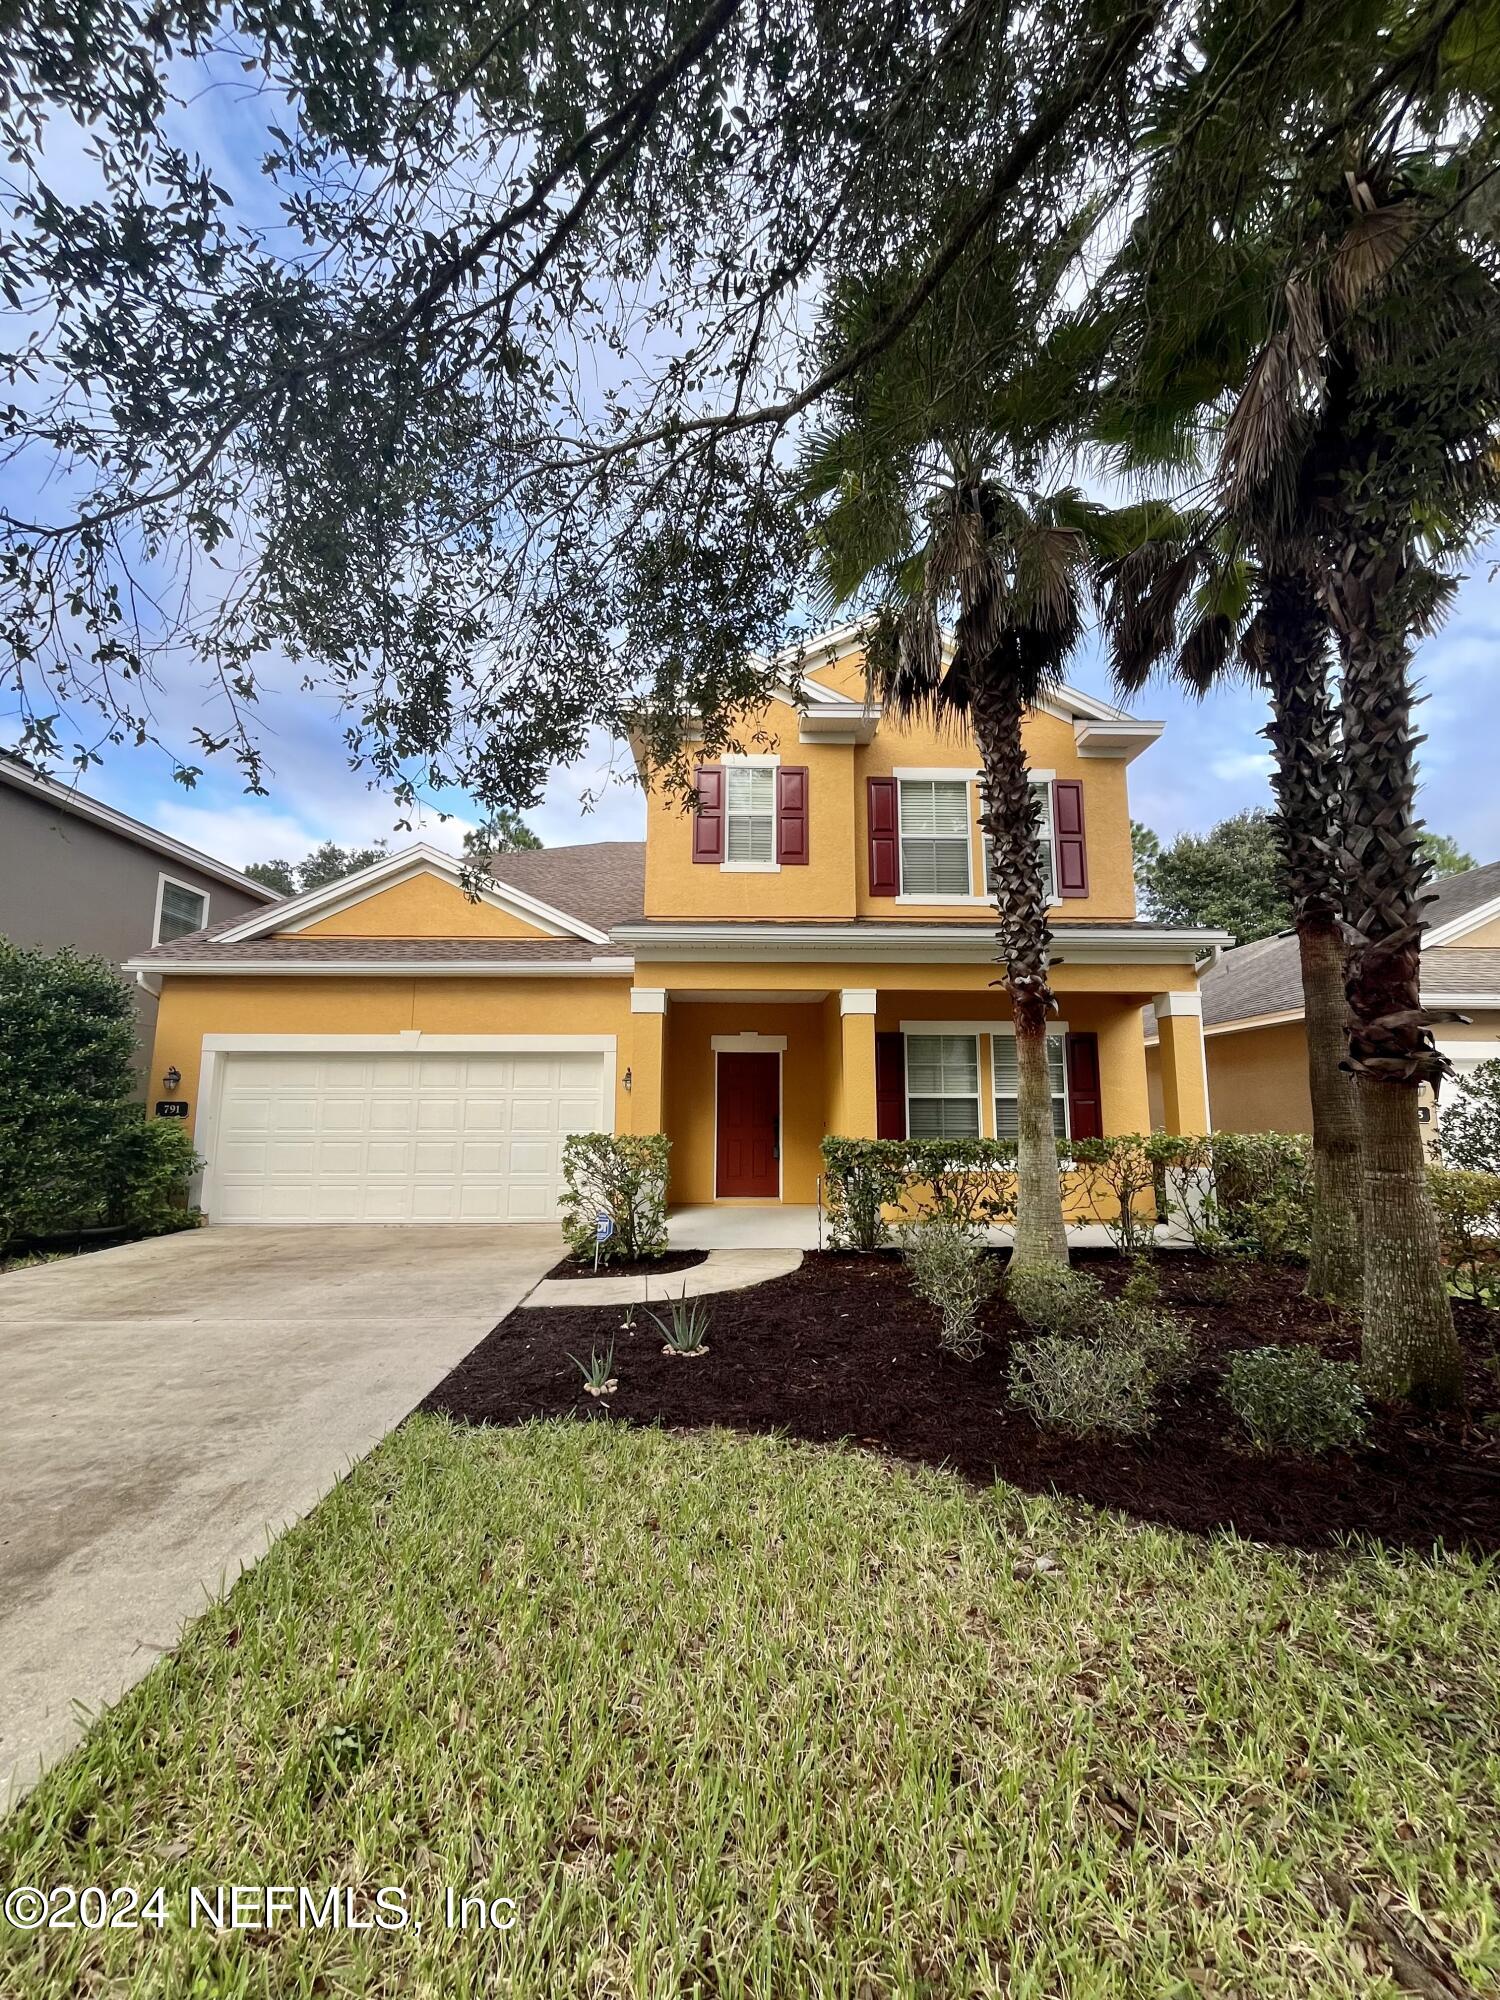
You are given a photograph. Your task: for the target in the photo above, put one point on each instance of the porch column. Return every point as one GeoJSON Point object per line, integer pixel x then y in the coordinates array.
{"type": "Point", "coordinates": [857, 1027]}
{"type": "Point", "coordinates": [1184, 1079]}
{"type": "Point", "coordinates": [648, 1034]}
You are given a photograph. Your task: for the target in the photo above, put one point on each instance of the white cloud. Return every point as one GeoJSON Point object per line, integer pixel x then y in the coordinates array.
{"type": "Point", "coordinates": [1240, 764]}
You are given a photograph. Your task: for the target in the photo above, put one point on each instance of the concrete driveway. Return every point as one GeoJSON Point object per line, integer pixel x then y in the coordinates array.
{"type": "Point", "coordinates": [168, 1407]}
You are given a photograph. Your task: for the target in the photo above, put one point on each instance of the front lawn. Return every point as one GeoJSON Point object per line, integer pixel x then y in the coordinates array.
{"type": "Point", "coordinates": [730, 1714]}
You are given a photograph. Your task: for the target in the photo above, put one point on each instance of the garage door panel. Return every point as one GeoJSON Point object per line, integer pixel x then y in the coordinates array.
{"type": "Point", "coordinates": [390, 1139]}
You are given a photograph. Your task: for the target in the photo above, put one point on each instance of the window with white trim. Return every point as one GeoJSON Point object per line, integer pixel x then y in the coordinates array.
{"type": "Point", "coordinates": [1044, 845]}
{"type": "Point", "coordinates": [749, 812]}
{"type": "Point", "coordinates": [180, 910]}
{"type": "Point", "coordinates": [1008, 1085]}
{"type": "Point", "coordinates": [942, 1086]}
{"type": "Point", "coordinates": [935, 820]}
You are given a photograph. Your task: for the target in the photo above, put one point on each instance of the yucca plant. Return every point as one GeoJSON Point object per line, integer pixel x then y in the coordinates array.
{"type": "Point", "coordinates": [685, 1330]}
{"type": "Point", "coordinates": [598, 1371]}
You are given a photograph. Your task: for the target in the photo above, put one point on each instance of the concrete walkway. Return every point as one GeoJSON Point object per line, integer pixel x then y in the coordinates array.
{"type": "Point", "coordinates": [721, 1271]}
{"type": "Point", "coordinates": [170, 1406]}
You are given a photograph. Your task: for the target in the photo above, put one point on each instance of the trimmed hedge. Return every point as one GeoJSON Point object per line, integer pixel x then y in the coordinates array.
{"type": "Point", "coordinates": [1240, 1193]}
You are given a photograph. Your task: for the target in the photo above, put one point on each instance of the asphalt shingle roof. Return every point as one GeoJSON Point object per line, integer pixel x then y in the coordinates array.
{"type": "Point", "coordinates": [1266, 977]}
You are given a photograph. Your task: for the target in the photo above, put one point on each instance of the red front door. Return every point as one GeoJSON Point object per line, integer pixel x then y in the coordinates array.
{"type": "Point", "coordinates": [749, 1161]}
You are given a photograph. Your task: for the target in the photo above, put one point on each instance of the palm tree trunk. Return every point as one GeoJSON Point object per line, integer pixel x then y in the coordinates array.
{"type": "Point", "coordinates": [1010, 824]}
{"type": "Point", "coordinates": [1306, 783]}
{"type": "Point", "coordinates": [1409, 1349]}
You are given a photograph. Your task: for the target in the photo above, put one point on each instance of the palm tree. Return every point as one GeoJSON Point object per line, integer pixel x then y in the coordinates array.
{"type": "Point", "coordinates": [1016, 572]}
{"type": "Point", "coordinates": [1188, 595]}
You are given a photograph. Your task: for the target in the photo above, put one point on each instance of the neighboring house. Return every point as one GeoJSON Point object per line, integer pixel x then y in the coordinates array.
{"type": "Point", "coordinates": [1252, 1009]}
{"type": "Point", "coordinates": [79, 873]}
{"type": "Point", "coordinates": [810, 951]}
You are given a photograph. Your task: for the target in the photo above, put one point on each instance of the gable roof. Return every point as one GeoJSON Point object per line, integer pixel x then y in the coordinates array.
{"type": "Point", "coordinates": [578, 893]}
{"type": "Point", "coordinates": [297, 912]}
{"type": "Point", "coordinates": [68, 799]}
{"type": "Point", "coordinates": [1264, 978]}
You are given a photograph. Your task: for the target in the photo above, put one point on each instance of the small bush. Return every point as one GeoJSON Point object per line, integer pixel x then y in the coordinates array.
{"type": "Point", "coordinates": [1295, 1399]}
{"type": "Point", "coordinates": [624, 1177]}
{"type": "Point", "coordinates": [1469, 1120]}
{"type": "Point", "coordinates": [951, 1270]}
{"type": "Point", "coordinates": [1467, 1206]}
{"type": "Point", "coordinates": [972, 1179]}
{"type": "Point", "coordinates": [152, 1162]}
{"type": "Point", "coordinates": [1142, 1287]}
{"type": "Point", "coordinates": [1113, 1176]}
{"type": "Point", "coordinates": [1158, 1337]}
{"type": "Point", "coordinates": [1245, 1193]}
{"type": "Point", "coordinates": [1055, 1299]}
{"type": "Point", "coordinates": [1077, 1387]}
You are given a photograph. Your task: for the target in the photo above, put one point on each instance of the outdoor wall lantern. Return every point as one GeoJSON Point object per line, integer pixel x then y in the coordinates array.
{"type": "Point", "coordinates": [171, 1077]}
{"type": "Point", "coordinates": [625, 1079]}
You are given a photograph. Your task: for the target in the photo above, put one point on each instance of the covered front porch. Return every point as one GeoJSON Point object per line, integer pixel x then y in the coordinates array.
{"type": "Point", "coordinates": [747, 1079]}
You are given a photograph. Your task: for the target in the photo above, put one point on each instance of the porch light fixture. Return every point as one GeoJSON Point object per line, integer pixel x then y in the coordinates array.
{"type": "Point", "coordinates": [625, 1079]}
{"type": "Point", "coordinates": [171, 1077]}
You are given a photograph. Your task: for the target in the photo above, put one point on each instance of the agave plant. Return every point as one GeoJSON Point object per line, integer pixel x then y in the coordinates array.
{"type": "Point", "coordinates": [685, 1330]}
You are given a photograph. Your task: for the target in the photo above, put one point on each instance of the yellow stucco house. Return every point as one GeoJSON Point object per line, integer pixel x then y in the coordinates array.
{"type": "Point", "coordinates": [1252, 1011]}
{"type": "Point", "coordinates": [808, 951]}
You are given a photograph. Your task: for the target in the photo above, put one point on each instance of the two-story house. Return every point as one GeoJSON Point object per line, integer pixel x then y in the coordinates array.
{"type": "Point", "coordinates": [807, 950]}
{"type": "Point", "coordinates": [77, 872]}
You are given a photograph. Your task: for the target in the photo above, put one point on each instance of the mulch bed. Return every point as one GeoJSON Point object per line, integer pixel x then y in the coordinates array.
{"type": "Point", "coordinates": [841, 1349]}
{"type": "Point", "coordinates": [629, 1267]}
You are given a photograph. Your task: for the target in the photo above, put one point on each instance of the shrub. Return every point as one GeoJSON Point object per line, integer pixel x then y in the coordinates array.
{"type": "Point", "coordinates": [951, 1269]}
{"type": "Point", "coordinates": [1074, 1386]}
{"type": "Point", "coordinates": [972, 1179]}
{"type": "Point", "coordinates": [152, 1163]}
{"type": "Point", "coordinates": [1244, 1193]}
{"type": "Point", "coordinates": [67, 1056]}
{"type": "Point", "coordinates": [1468, 1218]}
{"type": "Point", "coordinates": [1113, 1175]}
{"type": "Point", "coordinates": [1469, 1120]}
{"type": "Point", "coordinates": [620, 1175]}
{"type": "Point", "coordinates": [1295, 1399]}
{"type": "Point", "coordinates": [1158, 1337]}
{"type": "Point", "coordinates": [1142, 1287]}
{"type": "Point", "coordinates": [1055, 1299]}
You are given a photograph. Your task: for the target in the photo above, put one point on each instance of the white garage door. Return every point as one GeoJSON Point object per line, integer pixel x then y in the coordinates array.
{"type": "Point", "coordinates": [398, 1138]}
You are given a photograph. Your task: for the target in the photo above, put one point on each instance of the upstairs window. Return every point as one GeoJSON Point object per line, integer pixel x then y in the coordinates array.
{"type": "Point", "coordinates": [749, 813]}
{"type": "Point", "coordinates": [942, 1086]}
{"type": "Point", "coordinates": [179, 910]}
{"type": "Point", "coordinates": [1008, 1084]}
{"type": "Point", "coordinates": [1044, 845]}
{"type": "Point", "coordinates": [934, 837]}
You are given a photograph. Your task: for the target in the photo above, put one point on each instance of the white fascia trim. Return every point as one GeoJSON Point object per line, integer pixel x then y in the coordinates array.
{"type": "Point", "coordinates": [1461, 1000]}
{"type": "Point", "coordinates": [298, 911]}
{"type": "Point", "coordinates": [1168, 1005]}
{"type": "Point", "coordinates": [648, 999]}
{"type": "Point", "coordinates": [1284, 1019]}
{"type": "Point", "coordinates": [1118, 737]}
{"type": "Point", "coordinates": [748, 1044]}
{"type": "Point", "coordinates": [972, 1027]}
{"type": "Point", "coordinates": [1457, 927]}
{"type": "Point", "coordinates": [407, 1040]}
{"type": "Point", "coordinates": [323, 968]}
{"type": "Point", "coordinates": [69, 800]}
{"type": "Point", "coordinates": [193, 890]}
{"type": "Point", "coordinates": [857, 1000]}
{"type": "Point", "coordinates": [1469, 1052]}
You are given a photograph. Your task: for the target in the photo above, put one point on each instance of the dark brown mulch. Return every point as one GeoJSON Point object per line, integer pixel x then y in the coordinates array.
{"type": "Point", "coordinates": [841, 1349]}
{"type": "Point", "coordinates": [629, 1267]}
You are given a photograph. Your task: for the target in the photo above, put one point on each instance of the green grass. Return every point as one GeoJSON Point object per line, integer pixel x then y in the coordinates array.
{"type": "Point", "coordinates": [727, 1715]}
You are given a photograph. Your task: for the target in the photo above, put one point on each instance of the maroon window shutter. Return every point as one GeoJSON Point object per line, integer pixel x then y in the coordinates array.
{"type": "Point", "coordinates": [791, 815]}
{"type": "Point", "coordinates": [890, 1086]}
{"type": "Point", "coordinates": [708, 819]}
{"type": "Point", "coordinates": [1067, 826]}
{"type": "Point", "coordinates": [885, 874]}
{"type": "Point", "coordinates": [1085, 1107]}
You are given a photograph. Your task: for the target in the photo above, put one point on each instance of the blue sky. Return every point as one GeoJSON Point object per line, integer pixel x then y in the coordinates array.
{"type": "Point", "coordinates": [1210, 762]}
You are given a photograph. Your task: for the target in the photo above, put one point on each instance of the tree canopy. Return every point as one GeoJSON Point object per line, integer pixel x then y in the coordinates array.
{"type": "Point", "coordinates": [327, 863]}
{"type": "Point", "coordinates": [1226, 878]}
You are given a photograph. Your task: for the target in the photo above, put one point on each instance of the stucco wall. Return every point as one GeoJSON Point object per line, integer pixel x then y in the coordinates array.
{"type": "Point", "coordinates": [425, 906]}
{"type": "Point", "coordinates": [1257, 1080]}
{"type": "Point", "coordinates": [834, 883]}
